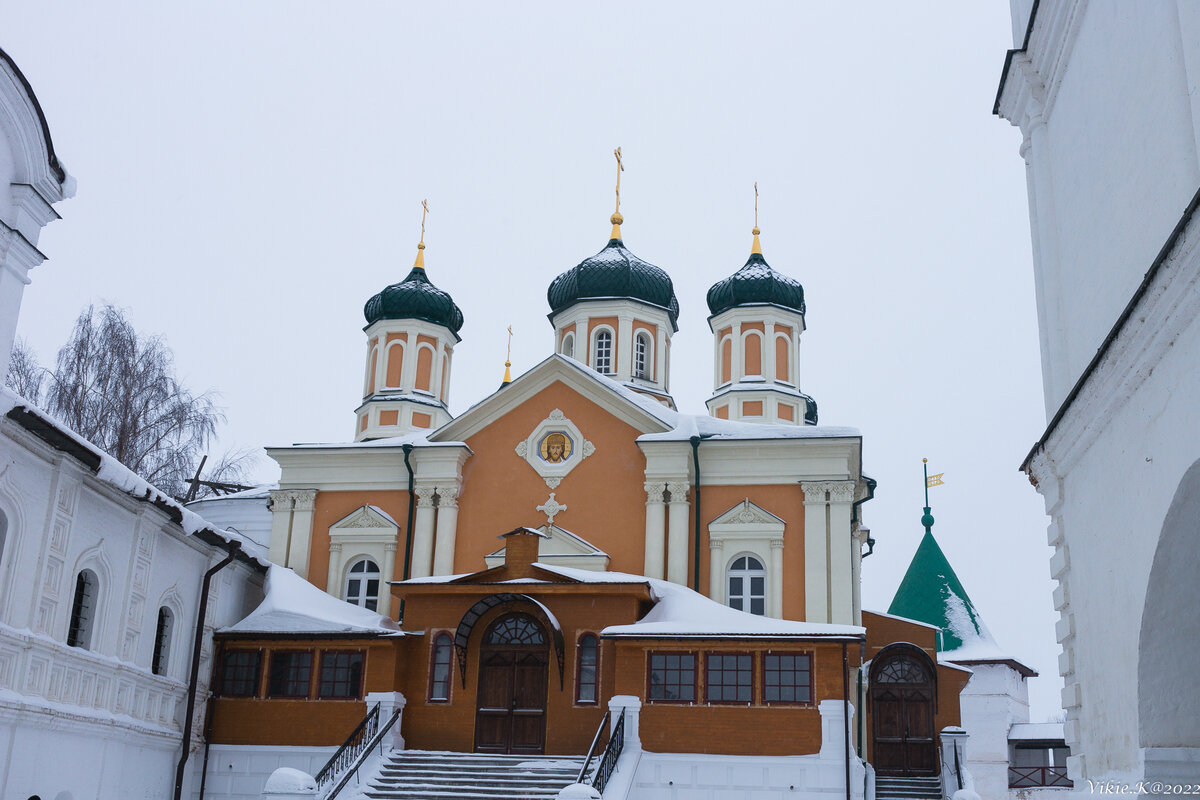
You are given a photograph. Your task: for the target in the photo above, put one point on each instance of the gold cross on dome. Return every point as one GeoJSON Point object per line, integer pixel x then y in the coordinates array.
{"type": "Point", "coordinates": [756, 204]}
{"type": "Point", "coordinates": [508, 356]}
{"type": "Point", "coordinates": [620, 169]}
{"type": "Point", "coordinates": [424, 211]}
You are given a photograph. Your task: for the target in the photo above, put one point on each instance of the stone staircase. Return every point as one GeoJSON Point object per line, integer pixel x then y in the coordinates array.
{"type": "Point", "coordinates": [888, 788]}
{"type": "Point", "coordinates": [427, 775]}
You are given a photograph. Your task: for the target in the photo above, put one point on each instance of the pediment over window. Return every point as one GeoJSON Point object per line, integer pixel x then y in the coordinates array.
{"type": "Point", "coordinates": [747, 520]}
{"type": "Point", "coordinates": [561, 548]}
{"type": "Point", "coordinates": [363, 524]}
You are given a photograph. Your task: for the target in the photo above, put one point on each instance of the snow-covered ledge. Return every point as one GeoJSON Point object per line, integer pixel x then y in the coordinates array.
{"type": "Point", "coordinates": [954, 765]}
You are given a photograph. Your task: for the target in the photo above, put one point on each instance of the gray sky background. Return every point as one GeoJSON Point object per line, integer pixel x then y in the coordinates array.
{"type": "Point", "coordinates": [250, 173]}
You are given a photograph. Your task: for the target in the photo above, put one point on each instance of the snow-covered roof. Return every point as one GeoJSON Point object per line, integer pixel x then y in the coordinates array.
{"type": "Point", "coordinates": [116, 474]}
{"type": "Point", "coordinates": [293, 605]}
{"type": "Point", "coordinates": [1036, 731]}
{"type": "Point", "coordinates": [902, 619]}
{"type": "Point", "coordinates": [678, 611]}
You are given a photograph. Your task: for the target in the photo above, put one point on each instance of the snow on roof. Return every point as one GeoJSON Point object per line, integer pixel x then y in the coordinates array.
{"type": "Point", "coordinates": [118, 475]}
{"type": "Point", "coordinates": [1036, 731]}
{"type": "Point", "coordinates": [681, 612]}
{"type": "Point", "coordinates": [902, 619]}
{"type": "Point", "coordinates": [253, 493]}
{"type": "Point", "coordinates": [678, 611]}
{"type": "Point", "coordinates": [293, 605]}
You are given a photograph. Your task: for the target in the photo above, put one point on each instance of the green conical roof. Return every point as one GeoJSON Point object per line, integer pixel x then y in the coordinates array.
{"type": "Point", "coordinates": [931, 593]}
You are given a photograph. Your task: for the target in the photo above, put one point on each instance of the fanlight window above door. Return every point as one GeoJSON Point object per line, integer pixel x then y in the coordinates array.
{"type": "Point", "coordinates": [902, 670]}
{"type": "Point", "coordinates": [516, 629]}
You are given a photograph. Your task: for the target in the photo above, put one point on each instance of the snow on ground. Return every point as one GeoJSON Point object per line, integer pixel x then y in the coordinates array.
{"type": "Point", "coordinates": [293, 605]}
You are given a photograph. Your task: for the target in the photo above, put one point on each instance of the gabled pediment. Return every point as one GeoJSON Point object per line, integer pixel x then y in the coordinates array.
{"type": "Point", "coordinates": [639, 412]}
{"type": "Point", "coordinates": [364, 518]}
{"type": "Point", "coordinates": [561, 548]}
{"type": "Point", "coordinates": [747, 513]}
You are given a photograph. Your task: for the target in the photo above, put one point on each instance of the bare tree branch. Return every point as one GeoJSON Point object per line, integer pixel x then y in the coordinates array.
{"type": "Point", "coordinates": [25, 375]}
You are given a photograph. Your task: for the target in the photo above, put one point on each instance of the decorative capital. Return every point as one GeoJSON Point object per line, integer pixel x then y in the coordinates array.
{"type": "Point", "coordinates": [447, 496]}
{"type": "Point", "coordinates": [424, 495]}
{"type": "Point", "coordinates": [678, 490]}
{"type": "Point", "coordinates": [304, 499]}
{"type": "Point", "coordinates": [281, 500]}
{"type": "Point", "coordinates": [335, 547]}
{"type": "Point", "coordinates": [654, 491]}
{"type": "Point", "coordinates": [821, 492]}
{"type": "Point", "coordinates": [776, 544]}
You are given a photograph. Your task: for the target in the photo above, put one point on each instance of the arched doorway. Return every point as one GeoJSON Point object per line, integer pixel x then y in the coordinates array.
{"type": "Point", "coordinates": [902, 695]}
{"type": "Point", "coordinates": [514, 667]}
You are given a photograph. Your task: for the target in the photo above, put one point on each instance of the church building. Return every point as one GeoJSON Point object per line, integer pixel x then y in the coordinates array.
{"type": "Point", "coordinates": [573, 544]}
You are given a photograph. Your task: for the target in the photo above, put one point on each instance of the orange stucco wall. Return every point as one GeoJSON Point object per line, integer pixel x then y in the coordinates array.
{"type": "Point", "coordinates": [606, 503]}
{"type": "Point", "coordinates": [594, 323]}
{"type": "Point", "coordinates": [333, 506]}
{"type": "Point", "coordinates": [781, 358]}
{"type": "Point", "coordinates": [702, 727]}
{"type": "Point", "coordinates": [395, 364]}
{"type": "Point", "coordinates": [752, 360]}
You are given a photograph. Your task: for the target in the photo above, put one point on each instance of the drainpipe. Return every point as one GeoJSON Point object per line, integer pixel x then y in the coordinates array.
{"type": "Point", "coordinates": [408, 537]}
{"type": "Point", "coordinates": [193, 681]}
{"type": "Point", "coordinates": [695, 440]}
{"type": "Point", "coordinates": [871, 484]}
{"type": "Point", "coordinates": [846, 712]}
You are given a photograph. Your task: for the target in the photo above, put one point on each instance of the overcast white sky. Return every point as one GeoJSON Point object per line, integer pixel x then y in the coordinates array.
{"type": "Point", "coordinates": [250, 173]}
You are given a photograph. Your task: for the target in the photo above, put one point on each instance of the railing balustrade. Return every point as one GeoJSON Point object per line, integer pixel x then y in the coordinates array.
{"type": "Point", "coordinates": [1027, 777]}
{"type": "Point", "coordinates": [608, 762]}
{"type": "Point", "coordinates": [587, 760]}
{"type": "Point", "coordinates": [364, 751]}
{"type": "Point", "coordinates": [355, 743]}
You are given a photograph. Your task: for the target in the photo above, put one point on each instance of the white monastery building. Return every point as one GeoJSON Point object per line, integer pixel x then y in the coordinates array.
{"type": "Point", "coordinates": [1106, 94]}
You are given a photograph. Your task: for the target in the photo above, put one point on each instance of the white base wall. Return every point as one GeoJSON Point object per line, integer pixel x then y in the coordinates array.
{"type": "Point", "coordinates": [690, 776]}
{"type": "Point", "coordinates": [239, 772]}
{"type": "Point", "coordinates": [59, 756]}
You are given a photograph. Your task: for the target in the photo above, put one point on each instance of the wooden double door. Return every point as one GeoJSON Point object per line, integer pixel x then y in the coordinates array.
{"type": "Point", "coordinates": [902, 708]}
{"type": "Point", "coordinates": [510, 715]}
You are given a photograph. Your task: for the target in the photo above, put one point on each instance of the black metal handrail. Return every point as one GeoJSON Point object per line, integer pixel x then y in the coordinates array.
{"type": "Point", "coordinates": [608, 762]}
{"type": "Point", "coordinates": [1023, 777]}
{"type": "Point", "coordinates": [587, 760]}
{"type": "Point", "coordinates": [377, 739]}
{"type": "Point", "coordinates": [350, 748]}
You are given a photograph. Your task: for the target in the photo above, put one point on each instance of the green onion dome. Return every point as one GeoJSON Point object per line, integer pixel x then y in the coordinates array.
{"type": "Point", "coordinates": [415, 298]}
{"type": "Point", "coordinates": [756, 284]}
{"type": "Point", "coordinates": [614, 272]}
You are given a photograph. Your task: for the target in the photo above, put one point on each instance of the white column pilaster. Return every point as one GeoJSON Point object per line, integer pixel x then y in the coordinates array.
{"type": "Point", "coordinates": [677, 533]}
{"type": "Point", "coordinates": [816, 566]}
{"type": "Point", "coordinates": [660, 358]}
{"type": "Point", "coordinates": [656, 518]}
{"type": "Point", "coordinates": [736, 362]}
{"type": "Point", "coordinates": [281, 526]}
{"type": "Point", "coordinates": [716, 570]}
{"type": "Point", "coordinates": [769, 356]}
{"type": "Point", "coordinates": [624, 345]}
{"type": "Point", "coordinates": [841, 545]}
{"type": "Point", "coordinates": [333, 576]}
{"type": "Point", "coordinates": [387, 572]}
{"type": "Point", "coordinates": [302, 526]}
{"type": "Point", "coordinates": [422, 552]}
{"type": "Point", "coordinates": [447, 530]}
{"type": "Point", "coordinates": [775, 580]}
{"type": "Point", "coordinates": [583, 345]}
{"type": "Point", "coordinates": [408, 375]}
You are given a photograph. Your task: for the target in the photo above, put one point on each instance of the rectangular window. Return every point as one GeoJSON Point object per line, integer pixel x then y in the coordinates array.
{"type": "Point", "coordinates": [341, 675]}
{"type": "Point", "coordinates": [240, 672]}
{"type": "Point", "coordinates": [439, 669]}
{"type": "Point", "coordinates": [730, 678]}
{"type": "Point", "coordinates": [787, 678]}
{"type": "Point", "coordinates": [291, 674]}
{"type": "Point", "coordinates": [672, 677]}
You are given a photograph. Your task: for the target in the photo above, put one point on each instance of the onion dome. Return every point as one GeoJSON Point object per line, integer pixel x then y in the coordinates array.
{"type": "Point", "coordinates": [415, 298]}
{"type": "Point", "coordinates": [614, 272]}
{"type": "Point", "coordinates": [755, 284]}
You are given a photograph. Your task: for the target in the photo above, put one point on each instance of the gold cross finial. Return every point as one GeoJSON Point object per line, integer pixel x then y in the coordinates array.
{"type": "Point", "coordinates": [420, 262]}
{"type": "Point", "coordinates": [616, 217]}
{"type": "Point", "coordinates": [757, 248]}
{"type": "Point", "coordinates": [508, 358]}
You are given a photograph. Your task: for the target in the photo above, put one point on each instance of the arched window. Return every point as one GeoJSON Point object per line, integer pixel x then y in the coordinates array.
{"type": "Point", "coordinates": [162, 641]}
{"type": "Point", "coordinates": [362, 584]}
{"type": "Point", "coordinates": [425, 368]}
{"type": "Point", "coordinates": [783, 348]}
{"type": "Point", "coordinates": [395, 365]}
{"type": "Point", "coordinates": [726, 359]}
{"type": "Point", "coordinates": [439, 671]}
{"type": "Point", "coordinates": [83, 610]}
{"type": "Point", "coordinates": [516, 629]}
{"type": "Point", "coordinates": [641, 356]}
{"type": "Point", "coordinates": [602, 359]}
{"type": "Point", "coordinates": [587, 673]}
{"type": "Point", "coordinates": [748, 585]}
{"type": "Point", "coordinates": [568, 345]}
{"type": "Point", "coordinates": [752, 355]}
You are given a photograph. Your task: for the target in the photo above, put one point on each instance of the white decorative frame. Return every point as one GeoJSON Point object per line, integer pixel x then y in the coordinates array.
{"type": "Point", "coordinates": [366, 532]}
{"type": "Point", "coordinates": [554, 472]}
{"type": "Point", "coordinates": [747, 529]}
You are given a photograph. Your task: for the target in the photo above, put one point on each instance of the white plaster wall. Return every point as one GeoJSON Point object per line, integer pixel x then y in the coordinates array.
{"type": "Point", "coordinates": [681, 776]}
{"type": "Point", "coordinates": [994, 698]}
{"type": "Point", "coordinates": [1114, 499]}
{"type": "Point", "coordinates": [239, 772]}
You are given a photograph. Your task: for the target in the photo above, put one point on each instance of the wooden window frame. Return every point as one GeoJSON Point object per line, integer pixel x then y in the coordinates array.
{"type": "Point", "coordinates": [695, 676]}
{"type": "Point", "coordinates": [433, 645]}
{"type": "Point", "coordinates": [364, 581]}
{"type": "Point", "coordinates": [812, 689]}
{"type": "Point", "coordinates": [308, 693]}
{"type": "Point", "coordinates": [256, 691]}
{"type": "Point", "coordinates": [708, 684]}
{"type": "Point", "coordinates": [362, 674]}
{"type": "Point", "coordinates": [579, 669]}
